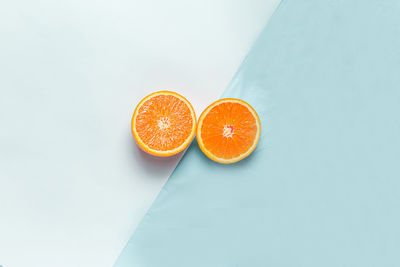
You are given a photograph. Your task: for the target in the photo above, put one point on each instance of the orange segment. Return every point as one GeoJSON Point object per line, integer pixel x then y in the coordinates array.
{"type": "Point", "coordinates": [228, 130]}
{"type": "Point", "coordinates": [164, 123]}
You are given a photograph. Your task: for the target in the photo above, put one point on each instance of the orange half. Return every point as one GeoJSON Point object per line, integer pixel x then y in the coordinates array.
{"type": "Point", "coordinates": [164, 123]}
{"type": "Point", "coordinates": [228, 130]}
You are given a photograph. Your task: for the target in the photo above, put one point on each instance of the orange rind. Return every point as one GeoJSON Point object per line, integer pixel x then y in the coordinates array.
{"type": "Point", "coordinates": [228, 130]}
{"type": "Point", "coordinates": [164, 123]}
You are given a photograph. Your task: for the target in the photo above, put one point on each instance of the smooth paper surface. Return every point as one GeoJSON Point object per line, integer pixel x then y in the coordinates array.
{"type": "Point", "coordinates": [73, 183]}
{"type": "Point", "coordinates": [322, 188]}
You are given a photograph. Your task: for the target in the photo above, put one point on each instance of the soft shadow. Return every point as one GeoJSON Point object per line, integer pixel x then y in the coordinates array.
{"type": "Point", "coordinates": [159, 166]}
{"type": "Point", "coordinates": [155, 166]}
{"type": "Point", "coordinates": [241, 164]}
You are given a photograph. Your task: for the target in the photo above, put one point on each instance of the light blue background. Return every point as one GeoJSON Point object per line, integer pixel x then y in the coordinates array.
{"type": "Point", "coordinates": [323, 186]}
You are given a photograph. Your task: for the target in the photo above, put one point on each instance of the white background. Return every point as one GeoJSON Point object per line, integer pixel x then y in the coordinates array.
{"type": "Point", "coordinates": [73, 185]}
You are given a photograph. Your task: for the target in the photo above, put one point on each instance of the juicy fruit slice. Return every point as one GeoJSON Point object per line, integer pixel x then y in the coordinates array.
{"type": "Point", "coordinates": [228, 130]}
{"type": "Point", "coordinates": [164, 123]}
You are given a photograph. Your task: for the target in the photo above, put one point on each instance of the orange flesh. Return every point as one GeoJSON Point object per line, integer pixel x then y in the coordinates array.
{"type": "Point", "coordinates": [228, 130]}
{"type": "Point", "coordinates": [164, 122]}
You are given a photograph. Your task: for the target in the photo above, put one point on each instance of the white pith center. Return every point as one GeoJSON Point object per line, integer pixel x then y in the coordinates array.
{"type": "Point", "coordinates": [164, 123]}
{"type": "Point", "coordinates": [228, 131]}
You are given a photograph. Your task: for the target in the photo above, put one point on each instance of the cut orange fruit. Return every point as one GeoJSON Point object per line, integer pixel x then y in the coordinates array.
{"type": "Point", "coordinates": [164, 123]}
{"type": "Point", "coordinates": [228, 130]}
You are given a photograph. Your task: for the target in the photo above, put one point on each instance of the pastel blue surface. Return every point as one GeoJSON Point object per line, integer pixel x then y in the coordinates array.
{"type": "Point", "coordinates": [323, 186]}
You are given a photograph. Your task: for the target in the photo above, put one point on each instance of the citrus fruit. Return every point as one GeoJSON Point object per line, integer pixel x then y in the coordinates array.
{"type": "Point", "coordinates": [164, 123]}
{"type": "Point", "coordinates": [228, 130]}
